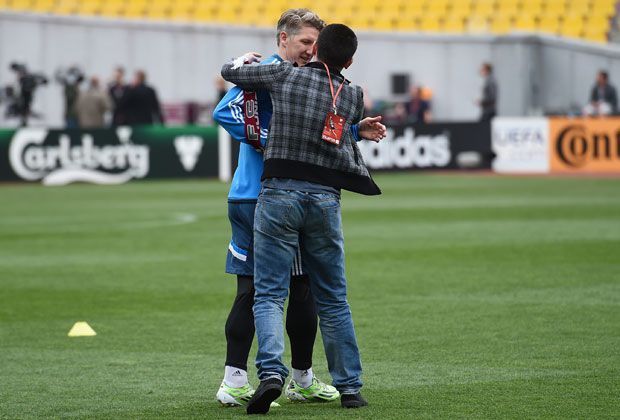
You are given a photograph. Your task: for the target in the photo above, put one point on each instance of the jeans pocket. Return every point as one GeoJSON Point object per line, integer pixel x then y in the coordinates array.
{"type": "Point", "coordinates": [272, 217]}
{"type": "Point", "coordinates": [332, 222]}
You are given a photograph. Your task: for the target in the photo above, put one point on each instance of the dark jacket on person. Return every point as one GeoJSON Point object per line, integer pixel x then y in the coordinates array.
{"type": "Point", "coordinates": [488, 102]}
{"type": "Point", "coordinates": [117, 91]}
{"type": "Point", "coordinates": [301, 100]}
{"type": "Point", "coordinates": [141, 106]}
{"type": "Point", "coordinates": [605, 94]}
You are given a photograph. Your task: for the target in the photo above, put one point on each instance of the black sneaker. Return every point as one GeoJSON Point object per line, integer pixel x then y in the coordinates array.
{"type": "Point", "coordinates": [268, 390]}
{"type": "Point", "coordinates": [353, 400]}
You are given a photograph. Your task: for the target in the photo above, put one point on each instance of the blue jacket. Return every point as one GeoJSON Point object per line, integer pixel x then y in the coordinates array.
{"type": "Point", "coordinates": [228, 113]}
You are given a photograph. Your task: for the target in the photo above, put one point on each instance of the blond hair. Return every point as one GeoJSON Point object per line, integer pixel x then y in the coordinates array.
{"type": "Point", "coordinates": [293, 20]}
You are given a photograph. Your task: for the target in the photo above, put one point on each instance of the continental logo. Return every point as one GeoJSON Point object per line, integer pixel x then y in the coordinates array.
{"type": "Point", "coordinates": [588, 144]}
{"type": "Point", "coordinates": [576, 146]}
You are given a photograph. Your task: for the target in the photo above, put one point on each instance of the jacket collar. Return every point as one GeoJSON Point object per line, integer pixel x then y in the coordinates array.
{"type": "Point", "coordinates": [333, 71]}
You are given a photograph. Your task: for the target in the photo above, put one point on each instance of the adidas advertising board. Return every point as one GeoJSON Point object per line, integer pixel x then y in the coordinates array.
{"type": "Point", "coordinates": [107, 156]}
{"type": "Point", "coordinates": [430, 146]}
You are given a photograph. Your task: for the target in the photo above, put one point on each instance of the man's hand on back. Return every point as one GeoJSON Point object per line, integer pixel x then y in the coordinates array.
{"type": "Point", "coordinates": [247, 58]}
{"type": "Point", "coordinates": [370, 128]}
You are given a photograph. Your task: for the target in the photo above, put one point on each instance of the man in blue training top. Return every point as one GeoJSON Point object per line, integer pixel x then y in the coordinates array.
{"type": "Point", "coordinates": [297, 32]}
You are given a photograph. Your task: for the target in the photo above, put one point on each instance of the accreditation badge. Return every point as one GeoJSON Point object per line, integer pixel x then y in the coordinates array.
{"type": "Point", "coordinates": [332, 131]}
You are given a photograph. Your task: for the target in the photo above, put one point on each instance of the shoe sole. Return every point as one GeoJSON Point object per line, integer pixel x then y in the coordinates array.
{"type": "Point", "coordinates": [227, 400]}
{"type": "Point", "coordinates": [260, 403]}
{"type": "Point", "coordinates": [354, 404]}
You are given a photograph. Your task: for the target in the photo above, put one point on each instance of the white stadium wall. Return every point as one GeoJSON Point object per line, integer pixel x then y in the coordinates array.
{"type": "Point", "coordinates": [535, 74]}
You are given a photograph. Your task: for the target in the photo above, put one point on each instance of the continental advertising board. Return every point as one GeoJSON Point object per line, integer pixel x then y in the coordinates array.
{"type": "Point", "coordinates": [584, 145]}
{"type": "Point", "coordinates": [556, 145]}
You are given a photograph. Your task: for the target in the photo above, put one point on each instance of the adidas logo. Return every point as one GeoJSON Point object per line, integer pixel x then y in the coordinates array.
{"type": "Point", "coordinates": [237, 373]}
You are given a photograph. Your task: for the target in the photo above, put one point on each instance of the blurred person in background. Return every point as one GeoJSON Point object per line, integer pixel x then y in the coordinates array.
{"type": "Point", "coordinates": [397, 114]}
{"type": "Point", "coordinates": [488, 100]}
{"type": "Point", "coordinates": [603, 98]}
{"type": "Point", "coordinates": [116, 91]}
{"type": "Point", "coordinates": [20, 99]}
{"type": "Point", "coordinates": [369, 104]}
{"type": "Point", "coordinates": [91, 105]}
{"type": "Point", "coordinates": [419, 106]}
{"type": "Point", "coordinates": [220, 87]}
{"type": "Point", "coordinates": [140, 104]}
{"type": "Point", "coordinates": [70, 79]}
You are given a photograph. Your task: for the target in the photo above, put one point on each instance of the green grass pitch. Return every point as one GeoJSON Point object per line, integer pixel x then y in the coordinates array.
{"type": "Point", "coordinates": [473, 297]}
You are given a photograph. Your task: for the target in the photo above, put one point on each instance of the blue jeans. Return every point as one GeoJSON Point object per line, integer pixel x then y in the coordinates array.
{"type": "Point", "coordinates": [283, 218]}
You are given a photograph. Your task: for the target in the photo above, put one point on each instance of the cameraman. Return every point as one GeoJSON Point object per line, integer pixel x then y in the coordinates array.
{"type": "Point", "coordinates": [27, 84]}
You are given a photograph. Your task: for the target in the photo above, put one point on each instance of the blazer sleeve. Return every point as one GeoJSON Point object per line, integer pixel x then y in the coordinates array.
{"type": "Point", "coordinates": [359, 111]}
{"type": "Point", "coordinates": [255, 77]}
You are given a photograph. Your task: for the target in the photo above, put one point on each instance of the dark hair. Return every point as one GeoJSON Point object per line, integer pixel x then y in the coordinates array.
{"type": "Point", "coordinates": [488, 67]}
{"type": "Point", "coordinates": [604, 74]}
{"type": "Point", "coordinates": [336, 45]}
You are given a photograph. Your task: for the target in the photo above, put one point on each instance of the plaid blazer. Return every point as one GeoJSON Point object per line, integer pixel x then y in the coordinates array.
{"type": "Point", "coordinates": [301, 100]}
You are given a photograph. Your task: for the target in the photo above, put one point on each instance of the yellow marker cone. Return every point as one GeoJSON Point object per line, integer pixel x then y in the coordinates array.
{"type": "Point", "coordinates": [81, 329]}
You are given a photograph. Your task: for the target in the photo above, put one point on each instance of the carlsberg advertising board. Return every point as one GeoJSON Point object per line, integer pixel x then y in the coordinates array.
{"type": "Point", "coordinates": [107, 156]}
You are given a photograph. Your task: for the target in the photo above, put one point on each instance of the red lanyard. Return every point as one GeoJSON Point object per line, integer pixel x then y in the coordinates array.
{"type": "Point", "coordinates": [331, 88]}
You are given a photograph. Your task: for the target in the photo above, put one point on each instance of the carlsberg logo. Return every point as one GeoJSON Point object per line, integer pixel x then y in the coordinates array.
{"type": "Point", "coordinates": [65, 163]}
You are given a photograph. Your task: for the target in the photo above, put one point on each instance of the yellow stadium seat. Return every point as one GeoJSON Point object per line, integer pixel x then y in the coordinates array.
{"type": "Point", "coordinates": [21, 5]}
{"type": "Point", "coordinates": [549, 24]}
{"type": "Point", "coordinates": [430, 23]}
{"type": "Point", "coordinates": [603, 9]}
{"type": "Point", "coordinates": [437, 8]}
{"type": "Point", "coordinates": [203, 15]}
{"type": "Point", "coordinates": [363, 18]}
{"type": "Point", "coordinates": [572, 26]}
{"type": "Point", "coordinates": [89, 8]}
{"type": "Point", "coordinates": [483, 10]}
{"type": "Point", "coordinates": [361, 23]}
{"type": "Point", "coordinates": [181, 15]}
{"type": "Point", "coordinates": [409, 5]}
{"type": "Point", "coordinates": [532, 7]}
{"type": "Point", "coordinates": [406, 24]}
{"type": "Point", "coordinates": [453, 25]}
{"type": "Point", "coordinates": [133, 10]}
{"type": "Point", "coordinates": [460, 9]}
{"type": "Point", "coordinates": [382, 24]}
{"type": "Point", "coordinates": [227, 15]}
{"type": "Point", "coordinates": [43, 6]}
{"type": "Point", "coordinates": [477, 24]}
{"type": "Point", "coordinates": [525, 22]}
{"type": "Point", "coordinates": [595, 35]}
{"type": "Point", "coordinates": [578, 9]}
{"type": "Point", "coordinates": [508, 8]}
{"type": "Point", "coordinates": [159, 12]}
{"type": "Point", "coordinates": [502, 24]}
{"type": "Point", "coordinates": [65, 9]}
{"type": "Point", "coordinates": [113, 10]}
{"type": "Point", "coordinates": [606, 6]}
{"type": "Point", "coordinates": [370, 5]}
{"type": "Point", "coordinates": [572, 19]}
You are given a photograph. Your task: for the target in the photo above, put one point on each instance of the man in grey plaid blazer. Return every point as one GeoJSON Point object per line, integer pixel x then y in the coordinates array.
{"type": "Point", "coordinates": [310, 155]}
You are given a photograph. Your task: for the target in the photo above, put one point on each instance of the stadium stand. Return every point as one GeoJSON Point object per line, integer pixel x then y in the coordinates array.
{"type": "Point", "coordinates": [592, 20]}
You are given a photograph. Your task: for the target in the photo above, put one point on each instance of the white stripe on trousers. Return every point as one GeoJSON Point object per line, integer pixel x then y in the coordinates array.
{"type": "Point", "coordinates": [297, 269]}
